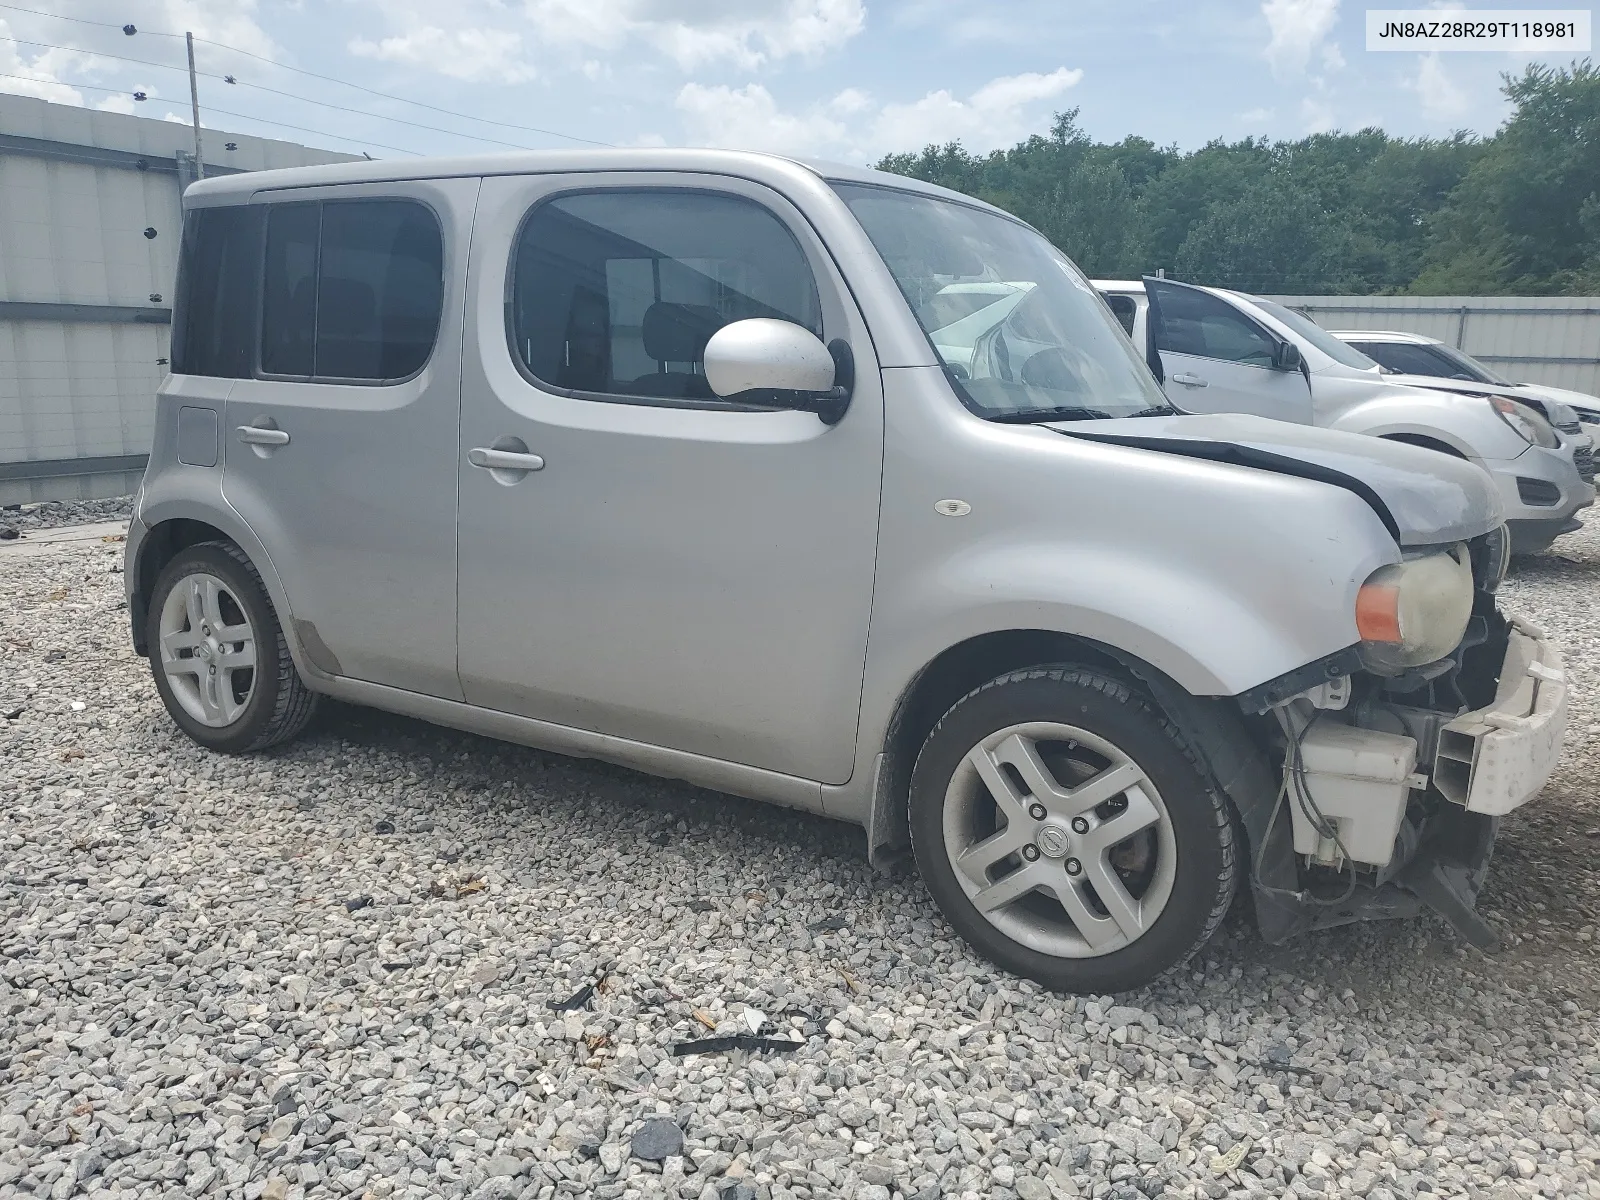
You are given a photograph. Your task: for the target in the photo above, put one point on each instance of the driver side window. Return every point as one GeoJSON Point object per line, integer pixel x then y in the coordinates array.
{"type": "Point", "coordinates": [1193, 322]}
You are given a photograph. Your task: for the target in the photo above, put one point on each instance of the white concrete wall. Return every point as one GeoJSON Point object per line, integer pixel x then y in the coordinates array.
{"type": "Point", "coordinates": [72, 231]}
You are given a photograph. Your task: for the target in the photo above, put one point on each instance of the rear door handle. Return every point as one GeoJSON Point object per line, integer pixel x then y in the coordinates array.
{"type": "Point", "coordinates": [255, 435]}
{"type": "Point", "coordinates": [504, 460]}
{"type": "Point", "coordinates": [1190, 380]}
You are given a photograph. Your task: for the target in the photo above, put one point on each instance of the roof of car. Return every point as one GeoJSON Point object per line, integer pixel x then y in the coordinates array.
{"type": "Point", "coordinates": [1119, 285]}
{"type": "Point", "coordinates": [546, 162]}
{"type": "Point", "coordinates": [1384, 335]}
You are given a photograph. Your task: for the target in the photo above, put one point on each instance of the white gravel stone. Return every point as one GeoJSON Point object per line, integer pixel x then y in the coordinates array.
{"type": "Point", "coordinates": [191, 1003]}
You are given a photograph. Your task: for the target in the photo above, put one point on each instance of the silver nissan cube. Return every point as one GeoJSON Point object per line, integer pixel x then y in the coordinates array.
{"type": "Point", "coordinates": [687, 461]}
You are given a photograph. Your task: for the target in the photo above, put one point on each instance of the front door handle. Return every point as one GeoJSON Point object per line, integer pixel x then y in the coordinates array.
{"type": "Point", "coordinates": [1190, 380]}
{"type": "Point", "coordinates": [257, 435]}
{"type": "Point", "coordinates": [504, 460]}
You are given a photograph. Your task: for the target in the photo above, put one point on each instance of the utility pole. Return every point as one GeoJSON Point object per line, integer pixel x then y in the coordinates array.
{"type": "Point", "coordinates": [194, 108]}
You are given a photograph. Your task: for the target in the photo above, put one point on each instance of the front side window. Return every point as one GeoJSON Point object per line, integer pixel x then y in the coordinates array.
{"type": "Point", "coordinates": [1020, 332]}
{"type": "Point", "coordinates": [1197, 323]}
{"type": "Point", "coordinates": [615, 294]}
{"type": "Point", "coordinates": [351, 289]}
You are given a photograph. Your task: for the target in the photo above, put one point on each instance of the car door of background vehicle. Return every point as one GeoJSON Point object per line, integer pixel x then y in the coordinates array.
{"type": "Point", "coordinates": [341, 451]}
{"type": "Point", "coordinates": [1217, 358]}
{"type": "Point", "coordinates": [677, 572]}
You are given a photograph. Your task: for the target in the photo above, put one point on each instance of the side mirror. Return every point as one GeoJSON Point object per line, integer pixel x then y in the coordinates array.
{"type": "Point", "coordinates": [1288, 357]}
{"type": "Point", "coordinates": [778, 362]}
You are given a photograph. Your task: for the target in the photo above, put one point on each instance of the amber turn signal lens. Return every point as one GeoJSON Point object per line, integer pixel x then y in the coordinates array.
{"type": "Point", "coordinates": [1378, 613]}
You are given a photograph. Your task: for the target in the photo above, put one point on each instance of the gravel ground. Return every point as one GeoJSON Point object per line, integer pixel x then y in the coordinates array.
{"type": "Point", "coordinates": [329, 971]}
{"type": "Point", "coordinates": [53, 514]}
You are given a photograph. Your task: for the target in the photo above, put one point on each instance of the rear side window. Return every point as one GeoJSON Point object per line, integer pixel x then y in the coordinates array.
{"type": "Point", "coordinates": [615, 294]}
{"type": "Point", "coordinates": [352, 289]}
{"type": "Point", "coordinates": [214, 314]}
{"type": "Point", "coordinates": [1126, 310]}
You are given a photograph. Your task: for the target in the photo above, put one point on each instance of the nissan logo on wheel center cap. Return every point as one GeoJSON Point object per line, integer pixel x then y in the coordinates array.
{"type": "Point", "coordinates": [1053, 841]}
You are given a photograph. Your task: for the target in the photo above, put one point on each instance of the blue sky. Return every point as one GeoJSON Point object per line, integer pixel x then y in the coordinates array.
{"type": "Point", "coordinates": [842, 79]}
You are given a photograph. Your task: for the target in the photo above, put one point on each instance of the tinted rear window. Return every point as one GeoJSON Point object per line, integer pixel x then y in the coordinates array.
{"type": "Point", "coordinates": [353, 289]}
{"type": "Point", "coordinates": [214, 314]}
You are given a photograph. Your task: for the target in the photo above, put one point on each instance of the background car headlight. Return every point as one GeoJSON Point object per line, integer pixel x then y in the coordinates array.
{"type": "Point", "coordinates": [1528, 421]}
{"type": "Point", "coordinates": [1414, 612]}
{"type": "Point", "coordinates": [1560, 415]}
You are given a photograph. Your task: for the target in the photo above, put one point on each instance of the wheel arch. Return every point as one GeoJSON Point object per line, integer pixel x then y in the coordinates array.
{"type": "Point", "coordinates": [1213, 726]}
{"type": "Point", "coordinates": [1427, 442]}
{"type": "Point", "coordinates": [159, 546]}
{"type": "Point", "coordinates": [169, 529]}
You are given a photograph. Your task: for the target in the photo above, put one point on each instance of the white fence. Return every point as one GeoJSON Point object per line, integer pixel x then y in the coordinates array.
{"type": "Point", "coordinates": [1554, 340]}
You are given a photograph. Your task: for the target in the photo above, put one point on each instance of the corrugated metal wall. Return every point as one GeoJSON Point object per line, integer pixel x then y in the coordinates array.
{"type": "Point", "coordinates": [85, 292]}
{"type": "Point", "coordinates": [1554, 340]}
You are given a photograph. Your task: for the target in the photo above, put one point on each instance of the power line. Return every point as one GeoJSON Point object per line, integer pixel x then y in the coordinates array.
{"type": "Point", "coordinates": [326, 78]}
{"type": "Point", "coordinates": [89, 87]}
{"type": "Point", "coordinates": [261, 87]}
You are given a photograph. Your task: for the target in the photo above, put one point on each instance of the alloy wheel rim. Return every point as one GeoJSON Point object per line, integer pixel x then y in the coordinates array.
{"type": "Point", "coordinates": [1060, 840]}
{"type": "Point", "coordinates": [208, 650]}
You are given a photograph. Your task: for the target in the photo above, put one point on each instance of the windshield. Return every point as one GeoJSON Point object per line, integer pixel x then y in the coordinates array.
{"type": "Point", "coordinates": [1315, 334]}
{"type": "Point", "coordinates": [1018, 328]}
{"type": "Point", "coordinates": [1471, 367]}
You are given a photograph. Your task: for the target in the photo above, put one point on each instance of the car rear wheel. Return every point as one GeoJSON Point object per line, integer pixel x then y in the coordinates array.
{"type": "Point", "coordinates": [221, 663]}
{"type": "Point", "coordinates": [1066, 832]}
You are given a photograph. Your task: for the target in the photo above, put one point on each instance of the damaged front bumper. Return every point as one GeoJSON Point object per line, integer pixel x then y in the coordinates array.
{"type": "Point", "coordinates": [1497, 758]}
{"type": "Point", "coordinates": [1484, 763]}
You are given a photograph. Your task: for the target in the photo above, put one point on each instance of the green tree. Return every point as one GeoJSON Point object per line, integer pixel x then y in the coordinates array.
{"type": "Point", "coordinates": [1274, 237]}
{"type": "Point", "coordinates": [1359, 212]}
{"type": "Point", "coordinates": [1516, 221]}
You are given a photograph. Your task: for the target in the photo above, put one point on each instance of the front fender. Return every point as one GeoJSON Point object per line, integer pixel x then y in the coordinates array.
{"type": "Point", "coordinates": [1210, 635]}
{"type": "Point", "coordinates": [1467, 424]}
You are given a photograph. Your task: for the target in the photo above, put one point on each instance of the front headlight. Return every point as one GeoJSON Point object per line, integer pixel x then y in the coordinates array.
{"type": "Point", "coordinates": [1528, 421]}
{"type": "Point", "coordinates": [1414, 612]}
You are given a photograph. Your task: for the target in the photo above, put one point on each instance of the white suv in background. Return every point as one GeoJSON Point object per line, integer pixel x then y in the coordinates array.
{"type": "Point", "coordinates": [1417, 354]}
{"type": "Point", "coordinates": [1216, 350]}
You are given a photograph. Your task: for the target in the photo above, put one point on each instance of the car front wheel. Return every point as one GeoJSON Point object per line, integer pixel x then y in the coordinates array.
{"type": "Point", "coordinates": [1066, 832]}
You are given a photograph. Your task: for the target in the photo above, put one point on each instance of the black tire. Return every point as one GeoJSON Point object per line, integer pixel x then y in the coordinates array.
{"type": "Point", "coordinates": [1207, 860]}
{"type": "Point", "coordinates": [280, 704]}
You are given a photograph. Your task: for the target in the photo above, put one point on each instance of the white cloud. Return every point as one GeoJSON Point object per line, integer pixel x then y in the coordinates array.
{"type": "Point", "coordinates": [230, 24]}
{"type": "Point", "coordinates": [1442, 99]}
{"type": "Point", "coordinates": [468, 54]}
{"type": "Point", "coordinates": [1256, 117]}
{"type": "Point", "coordinates": [852, 124]}
{"type": "Point", "coordinates": [1316, 115]}
{"type": "Point", "coordinates": [997, 114]}
{"type": "Point", "coordinates": [748, 118]}
{"type": "Point", "coordinates": [693, 33]}
{"type": "Point", "coordinates": [35, 76]}
{"type": "Point", "coordinates": [1298, 28]}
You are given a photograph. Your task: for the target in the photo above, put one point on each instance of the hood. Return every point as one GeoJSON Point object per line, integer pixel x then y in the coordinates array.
{"type": "Point", "coordinates": [1424, 497]}
{"type": "Point", "coordinates": [1537, 393]}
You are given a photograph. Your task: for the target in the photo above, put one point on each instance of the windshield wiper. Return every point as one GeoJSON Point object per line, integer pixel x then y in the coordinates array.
{"type": "Point", "coordinates": [1019, 416]}
{"type": "Point", "coordinates": [1157, 410]}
